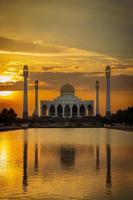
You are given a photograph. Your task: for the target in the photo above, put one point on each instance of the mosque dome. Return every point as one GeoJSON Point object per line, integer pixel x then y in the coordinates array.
{"type": "Point", "coordinates": [67, 89]}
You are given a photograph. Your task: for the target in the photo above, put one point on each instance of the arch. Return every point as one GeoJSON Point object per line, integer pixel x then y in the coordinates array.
{"type": "Point", "coordinates": [44, 110]}
{"type": "Point", "coordinates": [52, 110]}
{"type": "Point", "coordinates": [90, 110]}
{"type": "Point", "coordinates": [82, 110]}
{"type": "Point", "coordinates": [74, 111]}
{"type": "Point", "coordinates": [59, 111]}
{"type": "Point", "coordinates": [67, 111]}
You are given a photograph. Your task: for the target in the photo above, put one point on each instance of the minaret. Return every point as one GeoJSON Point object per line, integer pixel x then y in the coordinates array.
{"type": "Point", "coordinates": [108, 74]}
{"type": "Point", "coordinates": [97, 97]}
{"type": "Point", "coordinates": [25, 94]}
{"type": "Point", "coordinates": [36, 98]}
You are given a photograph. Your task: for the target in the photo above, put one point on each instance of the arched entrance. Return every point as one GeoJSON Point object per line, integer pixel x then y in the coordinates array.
{"type": "Point", "coordinates": [44, 110]}
{"type": "Point", "coordinates": [67, 111]}
{"type": "Point", "coordinates": [82, 110]}
{"type": "Point", "coordinates": [90, 110]}
{"type": "Point", "coordinates": [74, 111]}
{"type": "Point", "coordinates": [52, 110]}
{"type": "Point", "coordinates": [59, 111]}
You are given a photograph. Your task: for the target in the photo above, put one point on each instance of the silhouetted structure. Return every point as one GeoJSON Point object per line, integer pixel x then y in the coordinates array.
{"type": "Point", "coordinates": [25, 94]}
{"type": "Point", "coordinates": [108, 109]}
{"type": "Point", "coordinates": [97, 97]}
{"type": "Point", "coordinates": [36, 99]}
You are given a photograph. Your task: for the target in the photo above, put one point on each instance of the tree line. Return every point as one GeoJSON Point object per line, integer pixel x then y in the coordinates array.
{"type": "Point", "coordinates": [123, 116]}
{"type": "Point", "coordinates": [8, 116]}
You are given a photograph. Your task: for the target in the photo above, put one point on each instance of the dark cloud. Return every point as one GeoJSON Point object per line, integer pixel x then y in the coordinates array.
{"type": "Point", "coordinates": [56, 79]}
{"type": "Point", "coordinates": [123, 66]}
{"type": "Point", "coordinates": [49, 68]}
{"type": "Point", "coordinates": [100, 26]}
{"type": "Point", "coordinates": [11, 86]}
{"type": "Point", "coordinates": [12, 45]}
{"type": "Point", "coordinates": [86, 81]}
{"type": "Point", "coordinates": [81, 81]}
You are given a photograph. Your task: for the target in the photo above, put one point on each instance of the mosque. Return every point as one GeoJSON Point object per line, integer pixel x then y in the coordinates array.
{"type": "Point", "coordinates": [67, 105]}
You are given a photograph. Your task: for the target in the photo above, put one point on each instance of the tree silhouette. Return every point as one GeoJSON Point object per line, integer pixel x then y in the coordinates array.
{"type": "Point", "coordinates": [123, 116]}
{"type": "Point", "coordinates": [8, 117]}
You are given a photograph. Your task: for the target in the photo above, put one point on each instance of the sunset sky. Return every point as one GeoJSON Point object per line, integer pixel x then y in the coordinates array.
{"type": "Point", "coordinates": [66, 40]}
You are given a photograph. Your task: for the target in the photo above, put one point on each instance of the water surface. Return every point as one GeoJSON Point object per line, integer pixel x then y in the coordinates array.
{"type": "Point", "coordinates": [64, 164]}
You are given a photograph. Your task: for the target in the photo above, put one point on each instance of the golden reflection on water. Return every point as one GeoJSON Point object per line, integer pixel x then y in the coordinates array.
{"type": "Point", "coordinates": [66, 164]}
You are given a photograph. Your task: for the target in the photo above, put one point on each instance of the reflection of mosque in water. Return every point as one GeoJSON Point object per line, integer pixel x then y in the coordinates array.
{"type": "Point", "coordinates": [25, 160]}
{"type": "Point", "coordinates": [64, 157]}
{"type": "Point", "coordinates": [108, 178]}
{"type": "Point", "coordinates": [67, 157]}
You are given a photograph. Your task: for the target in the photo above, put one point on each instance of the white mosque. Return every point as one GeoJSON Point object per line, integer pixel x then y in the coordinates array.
{"type": "Point", "coordinates": [67, 105]}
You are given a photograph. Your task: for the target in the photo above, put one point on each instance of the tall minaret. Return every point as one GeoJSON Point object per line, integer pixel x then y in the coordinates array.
{"type": "Point", "coordinates": [25, 94]}
{"type": "Point", "coordinates": [108, 74]}
{"type": "Point", "coordinates": [36, 98]}
{"type": "Point", "coordinates": [97, 97]}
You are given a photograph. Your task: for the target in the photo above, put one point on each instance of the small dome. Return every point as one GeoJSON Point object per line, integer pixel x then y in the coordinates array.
{"type": "Point", "coordinates": [67, 89]}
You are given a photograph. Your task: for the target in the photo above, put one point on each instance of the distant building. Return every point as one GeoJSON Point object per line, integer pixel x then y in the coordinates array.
{"type": "Point", "coordinates": [36, 98]}
{"type": "Point", "coordinates": [67, 105]}
{"type": "Point", "coordinates": [97, 97]}
{"type": "Point", "coordinates": [25, 92]}
{"type": "Point", "coordinates": [108, 92]}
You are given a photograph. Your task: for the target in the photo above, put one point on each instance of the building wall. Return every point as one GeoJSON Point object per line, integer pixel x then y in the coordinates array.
{"type": "Point", "coordinates": [67, 108]}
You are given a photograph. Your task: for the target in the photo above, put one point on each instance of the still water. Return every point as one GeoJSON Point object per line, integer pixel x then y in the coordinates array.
{"type": "Point", "coordinates": [64, 164]}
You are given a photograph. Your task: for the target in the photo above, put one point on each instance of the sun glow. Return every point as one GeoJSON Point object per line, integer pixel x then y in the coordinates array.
{"type": "Point", "coordinates": [4, 79]}
{"type": "Point", "coordinates": [5, 93]}
{"type": "Point", "coordinates": [3, 155]}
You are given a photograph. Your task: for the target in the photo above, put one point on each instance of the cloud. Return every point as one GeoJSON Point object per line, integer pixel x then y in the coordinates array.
{"type": "Point", "coordinates": [54, 58]}
{"type": "Point", "coordinates": [123, 66]}
{"type": "Point", "coordinates": [12, 45]}
{"type": "Point", "coordinates": [84, 80]}
{"type": "Point", "coordinates": [81, 81]}
{"type": "Point", "coordinates": [11, 86]}
{"type": "Point", "coordinates": [20, 47]}
{"type": "Point", "coordinates": [100, 26]}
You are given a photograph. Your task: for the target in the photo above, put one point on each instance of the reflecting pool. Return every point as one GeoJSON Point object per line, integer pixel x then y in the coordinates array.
{"type": "Point", "coordinates": [64, 164]}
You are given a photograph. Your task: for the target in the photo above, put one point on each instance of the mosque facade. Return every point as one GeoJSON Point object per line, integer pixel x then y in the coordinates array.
{"type": "Point", "coordinates": [67, 105]}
